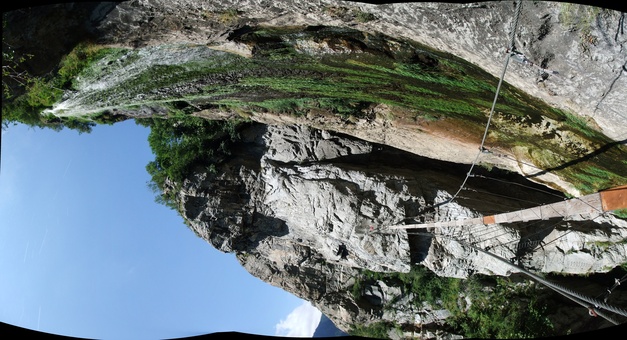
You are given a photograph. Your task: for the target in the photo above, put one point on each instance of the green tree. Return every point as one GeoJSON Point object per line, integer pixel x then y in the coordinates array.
{"type": "Point", "coordinates": [503, 311]}
{"type": "Point", "coordinates": [25, 96]}
{"type": "Point", "coordinates": [15, 77]}
{"type": "Point", "coordinates": [182, 143]}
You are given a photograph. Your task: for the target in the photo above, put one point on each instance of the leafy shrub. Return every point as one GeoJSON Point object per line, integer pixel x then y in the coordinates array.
{"type": "Point", "coordinates": [181, 143]}
{"type": "Point", "coordinates": [364, 17]}
{"type": "Point", "coordinates": [621, 213]}
{"type": "Point", "coordinates": [43, 92]}
{"type": "Point", "coordinates": [377, 330]}
{"type": "Point", "coordinates": [77, 60]}
{"type": "Point", "coordinates": [503, 311]}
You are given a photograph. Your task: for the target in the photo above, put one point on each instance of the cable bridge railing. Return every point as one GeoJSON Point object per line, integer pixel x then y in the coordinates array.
{"type": "Point", "coordinates": [593, 204]}
{"type": "Point", "coordinates": [604, 201]}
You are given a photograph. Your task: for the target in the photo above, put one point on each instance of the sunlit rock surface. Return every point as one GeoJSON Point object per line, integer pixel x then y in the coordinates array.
{"type": "Point", "coordinates": [291, 195]}
{"type": "Point", "coordinates": [294, 194]}
{"type": "Point", "coordinates": [587, 51]}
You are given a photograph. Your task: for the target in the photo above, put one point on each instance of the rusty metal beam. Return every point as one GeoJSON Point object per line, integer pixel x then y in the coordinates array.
{"type": "Point", "coordinates": [614, 199]}
{"type": "Point", "coordinates": [607, 200]}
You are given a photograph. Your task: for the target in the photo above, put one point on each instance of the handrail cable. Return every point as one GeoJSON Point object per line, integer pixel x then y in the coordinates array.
{"type": "Point", "coordinates": [556, 287]}
{"type": "Point", "coordinates": [498, 88]}
{"type": "Point", "coordinates": [533, 203]}
{"type": "Point", "coordinates": [594, 302]}
{"type": "Point", "coordinates": [519, 184]}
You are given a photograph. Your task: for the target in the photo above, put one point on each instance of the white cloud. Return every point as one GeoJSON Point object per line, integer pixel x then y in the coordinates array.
{"type": "Point", "coordinates": [301, 322]}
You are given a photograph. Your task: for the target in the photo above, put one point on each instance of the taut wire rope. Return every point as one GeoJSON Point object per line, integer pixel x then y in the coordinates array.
{"type": "Point", "coordinates": [498, 88]}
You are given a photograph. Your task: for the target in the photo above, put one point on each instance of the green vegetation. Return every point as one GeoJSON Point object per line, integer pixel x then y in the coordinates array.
{"type": "Point", "coordinates": [181, 143]}
{"type": "Point", "coordinates": [416, 83]}
{"type": "Point", "coordinates": [346, 14]}
{"type": "Point", "coordinates": [504, 311]}
{"type": "Point", "coordinates": [78, 60]}
{"type": "Point", "coordinates": [593, 179]}
{"type": "Point", "coordinates": [620, 213]}
{"type": "Point", "coordinates": [377, 330]}
{"type": "Point", "coordinates": [601, 244]}
{"type": "Point", "coordinates": [364, 16]}
{"type": "Point", "coordinates": [14, 76]}
{"type": "Point", "coordinates": [40, 93]}
{"type": "Point", "coordinates": [421, 282]}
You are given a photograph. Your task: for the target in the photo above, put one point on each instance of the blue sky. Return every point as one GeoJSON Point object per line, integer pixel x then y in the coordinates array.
{"type": "Point", "coordinates": [86, 252]}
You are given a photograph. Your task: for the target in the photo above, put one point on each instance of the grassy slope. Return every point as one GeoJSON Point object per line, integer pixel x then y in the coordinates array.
{"type": "Point", "coordinates": [417, 83]}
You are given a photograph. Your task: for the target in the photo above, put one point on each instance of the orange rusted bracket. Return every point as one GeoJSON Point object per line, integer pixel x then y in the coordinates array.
{"type": "Point", "coordinates": [489, 219]}
{"type": "Point", "coordinates": [614, 199]}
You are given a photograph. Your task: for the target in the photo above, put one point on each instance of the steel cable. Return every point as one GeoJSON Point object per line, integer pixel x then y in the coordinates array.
{"type": "Point", "coordinates": [498, 88]}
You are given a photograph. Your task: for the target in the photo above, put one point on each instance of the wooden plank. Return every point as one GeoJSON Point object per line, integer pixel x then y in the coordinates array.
{"type": "Point", "coordinates": [588, 204]}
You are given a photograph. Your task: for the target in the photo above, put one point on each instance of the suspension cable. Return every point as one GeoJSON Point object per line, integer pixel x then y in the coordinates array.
{"type": "Point", "coordinates": [592, 310]}
{"type": "Point", "coordinates": [519, 184]}
{"type": "Point", "coordinates": [617, 282]}
{"type": "Point", "coordinates": [498, 88]}
{"type": "Point", "coordinates": [556, 287]}
{"type": "Point", "coordinates": [594, 302]}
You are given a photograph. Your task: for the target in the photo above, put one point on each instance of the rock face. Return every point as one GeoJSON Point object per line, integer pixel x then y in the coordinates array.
{"type": "Point", "coordinates": [568, 38]}
{"type": "Point", "coordinates": [584, 44]}
{"type": "Point", "coordinates": [291, 195]}
{"type": "Point", "coordinates": [296, 191]}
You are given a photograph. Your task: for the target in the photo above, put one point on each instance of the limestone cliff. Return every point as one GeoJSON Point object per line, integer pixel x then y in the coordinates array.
{"type": "Point", "coordinates": [586, 45]}
{"type": "Point", "coordinates": [299, 185]}
{"type": "Point", "coordinates": [291, 195]}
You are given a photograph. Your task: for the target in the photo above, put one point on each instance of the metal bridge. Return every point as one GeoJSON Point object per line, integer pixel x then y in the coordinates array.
{"type": "Point", "coordinates": [607, 200]}
{"type": "Point", "coordinates": [603, 201]}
